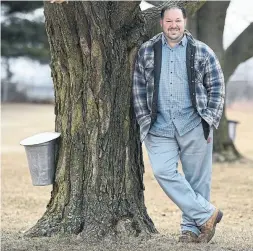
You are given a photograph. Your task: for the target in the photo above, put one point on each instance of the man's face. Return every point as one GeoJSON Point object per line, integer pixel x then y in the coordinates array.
{"type": "Point", "coordinates": [173, 24]}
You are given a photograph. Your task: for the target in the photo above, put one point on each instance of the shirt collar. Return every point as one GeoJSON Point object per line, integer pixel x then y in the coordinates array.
{"type": "Point", "coordinates": [183, 41]}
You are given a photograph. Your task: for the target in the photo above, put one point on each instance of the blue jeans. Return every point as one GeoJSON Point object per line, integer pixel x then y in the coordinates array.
{"type": "Point", "coordinates": [191, 192]}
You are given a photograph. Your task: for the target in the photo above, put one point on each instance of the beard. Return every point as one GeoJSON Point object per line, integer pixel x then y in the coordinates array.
{"type": "Point", "coordinates": [174, 34]}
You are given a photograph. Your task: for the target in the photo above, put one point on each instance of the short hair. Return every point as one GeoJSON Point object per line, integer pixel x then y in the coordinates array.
{"type": "Point", "coordinates": [173, 7]}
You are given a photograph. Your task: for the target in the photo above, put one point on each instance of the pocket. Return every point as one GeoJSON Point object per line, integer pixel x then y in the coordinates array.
{"type": "Point", "coordinates": [206, 128]}
{"type": "Point", "coordinates": [147, 143]}
{"type": "Point", "coordinates": [156, 144]}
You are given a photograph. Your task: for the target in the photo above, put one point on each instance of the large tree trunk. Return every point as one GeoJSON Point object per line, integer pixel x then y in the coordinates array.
{"type": "Point", "coordinates": [210, 26]}
{"type": "Point", "coordinates": [98, 189]}
{"type": "Point", "coordinates": [99, 180]}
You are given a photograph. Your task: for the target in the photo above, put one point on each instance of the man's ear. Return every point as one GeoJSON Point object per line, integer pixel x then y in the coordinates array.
{"type": "Point", "coordinates": [161, 22]}
{"type": "Point", "coordinates": [185, 22]}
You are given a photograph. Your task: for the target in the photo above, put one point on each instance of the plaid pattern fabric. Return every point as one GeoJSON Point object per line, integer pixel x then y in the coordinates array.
{"type": "Point", "coordinates": [174, 107]}
{"type": "Point", "coordinates": [208, 80]}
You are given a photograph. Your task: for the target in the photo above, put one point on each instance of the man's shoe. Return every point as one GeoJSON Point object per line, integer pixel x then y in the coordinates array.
{"type": "Point", "coordinates": [208, 228]}
{"type": "Point", "coordinates": [188, 237]}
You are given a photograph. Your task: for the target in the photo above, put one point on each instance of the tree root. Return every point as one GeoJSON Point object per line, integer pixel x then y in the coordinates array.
{"type": "Point", "coordinates": [124, 229]}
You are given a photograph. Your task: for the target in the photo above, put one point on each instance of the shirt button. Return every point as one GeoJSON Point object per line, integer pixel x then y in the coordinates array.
{"type": "Point", "coordinates": [171, 83]}
{"type": "Point", "coordinates": [170, 94]}
{"type": "Point", "coordinates": [171, 61]}
{"type": "Point", "coordinates": [171, 72]}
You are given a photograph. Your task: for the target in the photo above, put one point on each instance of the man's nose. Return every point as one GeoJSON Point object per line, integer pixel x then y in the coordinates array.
{"type": "Point", "coordinates": [173, 24]}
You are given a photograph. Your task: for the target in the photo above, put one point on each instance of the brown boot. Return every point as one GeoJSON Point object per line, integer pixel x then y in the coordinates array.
{"type": "Point", "coordinates": [188, 237]}
{"type": "Point", "coordinates": [208, 228]}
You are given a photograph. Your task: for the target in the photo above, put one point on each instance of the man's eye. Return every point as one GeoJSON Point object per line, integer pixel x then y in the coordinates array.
{"type": "Point", "coordinates": [168, 21]}
{"type": "Point", "coordinates": [178, 21]}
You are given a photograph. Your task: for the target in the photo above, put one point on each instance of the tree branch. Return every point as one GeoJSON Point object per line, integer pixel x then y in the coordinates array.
{"type": "Point", "coordinates": [239, 51]}
{"type": "Point", "coordinates": [122, 13]}
{"type": "Point", "coordinates": [152, 15]}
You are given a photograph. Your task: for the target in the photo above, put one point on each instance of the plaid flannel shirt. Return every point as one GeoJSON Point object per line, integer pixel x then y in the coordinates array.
{"type": "Point", "coordinates": [205, 77]}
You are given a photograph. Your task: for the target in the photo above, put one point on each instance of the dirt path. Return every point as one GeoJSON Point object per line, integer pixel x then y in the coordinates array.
{"type": "Point", "coordinates": [23, 204]}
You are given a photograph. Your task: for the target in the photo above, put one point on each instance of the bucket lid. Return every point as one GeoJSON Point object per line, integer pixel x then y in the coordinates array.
{"type": "Point", "coordinates": [40, 138]}
{"type": "Point", "coordinates": [233, 121]}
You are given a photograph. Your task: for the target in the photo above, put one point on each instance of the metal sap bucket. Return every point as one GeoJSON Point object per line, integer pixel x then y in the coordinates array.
{"type": "Point", "coordinates": [232, 129]}
{"type": "Point", "coordinates": [40, 152]}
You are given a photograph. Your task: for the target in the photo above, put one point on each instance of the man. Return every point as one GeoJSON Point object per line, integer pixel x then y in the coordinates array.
{"type": "Point", "coordinates": [178, 95]}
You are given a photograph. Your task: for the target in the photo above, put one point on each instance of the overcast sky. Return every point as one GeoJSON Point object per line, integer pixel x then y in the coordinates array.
{"type": "Point", "coordinates": [239, 16]}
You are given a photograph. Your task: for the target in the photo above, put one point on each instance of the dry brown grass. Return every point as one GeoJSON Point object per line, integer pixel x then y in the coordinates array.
{"type": "Point", "coordinates": [23, 204]}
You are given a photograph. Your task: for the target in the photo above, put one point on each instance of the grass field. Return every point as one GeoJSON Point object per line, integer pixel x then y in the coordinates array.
{"type": "Point", "coordinates": [23, 204]}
